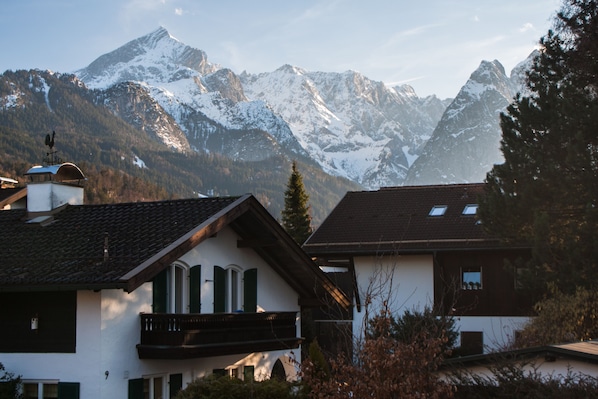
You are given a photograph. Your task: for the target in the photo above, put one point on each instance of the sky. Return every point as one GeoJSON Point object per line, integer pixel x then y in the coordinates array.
{"type": "Point", "coordinates": [432, 45]}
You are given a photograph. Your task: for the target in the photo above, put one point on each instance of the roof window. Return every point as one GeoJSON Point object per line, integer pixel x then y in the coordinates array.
{"type": "Point", "coordinates": [470, 209]}
{"type": "Point", "coordinates": [438, 210]}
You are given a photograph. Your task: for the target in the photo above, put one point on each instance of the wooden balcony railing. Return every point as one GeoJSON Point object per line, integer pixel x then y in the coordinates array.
{"type": "Point", "coordinates": [180, 336]}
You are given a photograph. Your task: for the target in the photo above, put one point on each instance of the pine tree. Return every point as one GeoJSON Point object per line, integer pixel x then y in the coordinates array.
{"type": "Point", "coordinates": [545, 194]}
{"type": "Point", "coordinates": [295, 215]}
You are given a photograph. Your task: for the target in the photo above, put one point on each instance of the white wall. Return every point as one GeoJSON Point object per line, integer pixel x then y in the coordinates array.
{"type": "Point", "coordinates": [406, 282]}
{"type": "Point", "coordinates": [274, 294]}
{"type": "Point", "coordinates": [403, 282]}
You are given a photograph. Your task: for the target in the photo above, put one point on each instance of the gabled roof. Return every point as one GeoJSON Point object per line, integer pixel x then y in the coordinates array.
{"type": "Point", "coordinates": [125, 245]}
{"type": "Point", "coordinates": [399, 219]}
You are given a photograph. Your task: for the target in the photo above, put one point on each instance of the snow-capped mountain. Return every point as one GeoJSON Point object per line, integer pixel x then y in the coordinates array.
{"type": "Point", "coordinates": [347, 124]}
{"type": "Point", "coordinates": [205, 101]}
{"type": "Point", "coordinates": [351, 126]}
{"type": "Point", "coordinates": [466, 143]}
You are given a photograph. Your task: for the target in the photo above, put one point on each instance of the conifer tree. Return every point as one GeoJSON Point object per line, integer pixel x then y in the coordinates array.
{"type": "Point", "coordinates": [295, 215]}
{"type": "Point", "coordinates": [545, 194]}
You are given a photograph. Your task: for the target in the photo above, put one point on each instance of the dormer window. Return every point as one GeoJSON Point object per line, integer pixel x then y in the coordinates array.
{"type": "Point", "coordinates": [470, 209]}
{"type": "Point", "coordinates": [438, 210]}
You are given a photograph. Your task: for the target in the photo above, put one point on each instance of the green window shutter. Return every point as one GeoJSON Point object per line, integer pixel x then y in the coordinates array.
{"type": "Point", "coordinates": [68, 390]}
{"type": "Point", "coordinates": [159, 291]}
{"type": "Point", "coordinates": [136, 389]}
{"type": "Point", "coordinates": [250, 291]}
{"type": "Point", "coordinates": [219, 289]}
{"type": "Point", "coordinates": [194, 289]}
{"type": "Point", "coordinates": [175, 384]}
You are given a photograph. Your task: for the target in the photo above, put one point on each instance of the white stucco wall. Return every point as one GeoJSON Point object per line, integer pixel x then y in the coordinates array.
{"type": "Point", "coordinates": [108, 330]}
{"type": "Point", "coordinates": [403, 282]}
{"type": "Point", "coordinates": [406, 282]}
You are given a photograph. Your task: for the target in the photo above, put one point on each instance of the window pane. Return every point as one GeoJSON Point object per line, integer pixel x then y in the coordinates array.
{"type": "Point", "coordinates": [50, 391]}
{"type": "Point", "coordinates": [234, 287]}
{"type": "Point", "coordinates": [178, 289]}
{"type": "Point", "coordinates": [30, 390]}
{"type": "Point", "coordinates": [472, 279]}
{"type": "Point", "coordinates": [158, 388]}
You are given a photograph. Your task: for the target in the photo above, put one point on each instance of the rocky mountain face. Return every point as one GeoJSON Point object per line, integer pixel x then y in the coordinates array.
{"type": "Point", "coordinates": [347, 124]}
{"type": "Point", "coordinates": [466, 142]}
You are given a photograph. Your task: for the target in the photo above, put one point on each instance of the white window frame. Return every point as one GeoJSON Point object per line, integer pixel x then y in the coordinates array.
{"type": "Point", "coordinates": [438, 210]}
{"type": "Point", "coordinates": [233, 289]}
{"type": "Point", "coordinates": [40, 386]}
{"type": "Point", "coordinates": [151, 378]}
{"type": "Point", "coordinates": [471, 269]}
{"type": "Point", "coordinates": [175, 293]}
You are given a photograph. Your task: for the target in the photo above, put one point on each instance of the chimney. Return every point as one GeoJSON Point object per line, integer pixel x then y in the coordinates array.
{"type": "Point", "coordinates": [53, 186]}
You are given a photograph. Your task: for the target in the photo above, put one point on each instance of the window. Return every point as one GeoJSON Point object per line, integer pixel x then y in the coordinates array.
{"type": "Point", "coordinates": [177, 289]}
{"type": "Point", "coordinates": [230, 289]}
{"type": "Point", "coordinates": [39, 390]}
{"type": "Point", "coordinates": [471, 278]}
{"type": "Point", "coordinates": [50, 389]}
{"type": "Point", "coordinates": [438, 210]}
{"type": "Point", "coordinates": [472, 343]}
{"type": "Point", "coordinates": [154, 387]}
{"type": "Point", "coordinates": [248, 373]}
{"type": "Point", "coordinates": [470, 209]}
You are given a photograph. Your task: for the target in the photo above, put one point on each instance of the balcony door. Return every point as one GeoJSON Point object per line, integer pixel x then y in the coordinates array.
{"type": "Point", "coordinates": [177, 289]}
{"type": "Point", "coordinates": [235, 290]}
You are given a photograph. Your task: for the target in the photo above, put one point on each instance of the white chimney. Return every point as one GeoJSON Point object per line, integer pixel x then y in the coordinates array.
{"type": "Point", "coordinates": [53, 186]}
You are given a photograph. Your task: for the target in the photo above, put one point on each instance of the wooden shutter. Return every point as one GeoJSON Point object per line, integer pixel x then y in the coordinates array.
{"type": "Point", "coordinates": [159, 292]}
{"type": "Point", "coordinates": [219, 289]}
{"type": "Point", "coordinates": [194, 289]}
{"type": "Point", "coordinates": [250, 290]}
{"type": "Point", "coordinates": [136, 389]}
{"type": "Point", "coordinates": [175, 384]}
{"type": "Point", "coordinates": [68, 390]}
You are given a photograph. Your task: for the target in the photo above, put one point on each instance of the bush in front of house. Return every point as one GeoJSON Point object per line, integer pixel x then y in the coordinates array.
{"type": "Point", "coordinates": [220, 387]}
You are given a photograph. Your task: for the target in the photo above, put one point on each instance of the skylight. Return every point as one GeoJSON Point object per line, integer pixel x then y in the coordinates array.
{"type": "Point", "coordinates": [470, 209]}
{"type": "Point", "coordinates": [438, 210]}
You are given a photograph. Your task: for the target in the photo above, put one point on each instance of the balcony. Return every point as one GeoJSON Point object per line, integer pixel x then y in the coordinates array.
{"type": "Point", "coordinates": [187, 336]}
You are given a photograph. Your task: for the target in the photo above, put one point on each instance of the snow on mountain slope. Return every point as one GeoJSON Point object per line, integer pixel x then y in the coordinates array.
{"type": "Point", "coordinates": [352, 126]}
{"type": "Point", "coordinates": [348, 124]}
{"type": "Point", "coordinates": [466, 143]}
{"type": "Point", "coordinates": [204, 99]}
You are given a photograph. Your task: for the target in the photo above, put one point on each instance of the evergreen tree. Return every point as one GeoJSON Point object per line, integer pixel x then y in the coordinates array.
{"type": "Point", "coordinates": [545, 194]}
{"type": "Point", "coordinates": [295, 215]}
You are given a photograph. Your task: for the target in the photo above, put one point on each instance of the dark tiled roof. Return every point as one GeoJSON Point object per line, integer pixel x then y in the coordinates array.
{"type": "Point", "coordinates": [69, 249]}
{"type": "Point", "coordinates": [397, 219]}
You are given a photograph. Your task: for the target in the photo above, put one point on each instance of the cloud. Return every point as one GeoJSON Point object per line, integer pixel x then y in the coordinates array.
{"type": "Point", "coordinates": [526, 27]}
{"type": "Point", "coordinates": [178, 11]}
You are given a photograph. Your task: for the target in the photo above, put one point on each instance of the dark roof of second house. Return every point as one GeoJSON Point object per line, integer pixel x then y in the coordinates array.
{"type": "Point", "coordinates": [124, 245]}
{"type": "Point", "coordinates": [403, 219]}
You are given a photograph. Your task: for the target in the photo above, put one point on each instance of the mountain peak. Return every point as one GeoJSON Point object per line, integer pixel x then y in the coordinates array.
{"type": "Point", "coordinates": [157, 54]}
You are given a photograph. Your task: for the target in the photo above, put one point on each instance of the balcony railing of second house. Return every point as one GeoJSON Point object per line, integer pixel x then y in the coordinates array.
{"type": "Point", "coordinates": [184, 336]}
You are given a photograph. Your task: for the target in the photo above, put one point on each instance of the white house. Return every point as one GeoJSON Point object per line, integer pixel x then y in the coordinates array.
{"type": "Point", "coordinates": [415, 246]}
{"type": "Point", "coordinates": [135, 300]}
